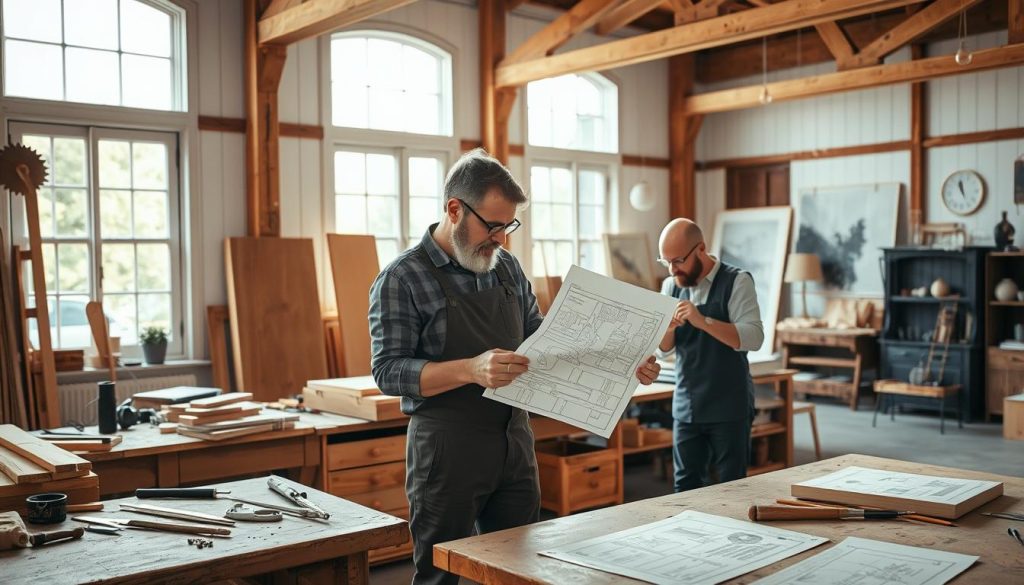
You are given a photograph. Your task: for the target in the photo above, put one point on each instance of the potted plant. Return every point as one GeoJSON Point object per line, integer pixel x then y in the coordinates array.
{"type": "Point", "coordinates": [154, 344]}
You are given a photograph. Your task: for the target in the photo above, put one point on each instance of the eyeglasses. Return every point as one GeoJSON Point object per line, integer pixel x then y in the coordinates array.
{"type": "Point", "coordinates": [492, 226]}
{"type": "Point", "coordinates": [679, 260]}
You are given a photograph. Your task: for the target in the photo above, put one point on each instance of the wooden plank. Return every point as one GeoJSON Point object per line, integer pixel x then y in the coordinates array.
{"type": "Point", "coordinates": [312, 18]}
{"type": "Point", "coordinates": [633, 160]}
{"type": "Point", "coordinates": [570, 23]}
{"type": "Point", "coordinates": [879, 75]}
{"type": "Point", "coordinates": [354, 267]}
{"type": "Point", "coordinates": [20, 469]}
{"type": "Point", "coordinates": [287, 129]}
{"type": "Point", "coordinates": [682, 176]}
{"type": "Point", "coordinates": [624, 14]}
{"type": "Point", "coordinates": [39, 451]}
{"type": "Point", "coordinates": [276, 332]}
{"type": "Point", "coordinates": [909, 30]}
{"type": "Point", "coordinates": [218, 401]}
{"type": "Point", "coordinates": [493, 103]}
{"type": "Point", "coordinates": [688, 38]}
{"type": "Point", "coordinates": [754, 161]}
{"type": "Point", "coordinates": [918, 119]}
{"type": "Point", "coordinates": [1015, 21]}
{"type": "Point", "coordinates": [835, 39]}
{"type": "Point", "coordinates": [975, 137]}
{"type": "Point", "coordinates": [216, 330]}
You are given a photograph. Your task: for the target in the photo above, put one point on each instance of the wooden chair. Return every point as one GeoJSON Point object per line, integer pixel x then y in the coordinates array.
{"type": "Point", "coordinates": [807, 407]}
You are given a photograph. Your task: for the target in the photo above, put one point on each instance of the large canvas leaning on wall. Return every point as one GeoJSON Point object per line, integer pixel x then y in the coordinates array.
{"type": "Point", "coordinates": [628, 258]}
{"type": "Point", "coordinates": [756, 240]}
{"type": "Point", "coordinates": [847, 227]}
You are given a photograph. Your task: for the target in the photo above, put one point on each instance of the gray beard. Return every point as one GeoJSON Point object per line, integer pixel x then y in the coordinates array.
{"type": "Point", "coordinates": [469, 257]}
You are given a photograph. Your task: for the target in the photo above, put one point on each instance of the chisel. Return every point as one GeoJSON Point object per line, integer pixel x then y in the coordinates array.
{"type": "Point", "coordinates": [761, 513]}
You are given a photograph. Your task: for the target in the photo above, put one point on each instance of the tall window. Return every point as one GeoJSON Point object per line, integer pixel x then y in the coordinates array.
{"type": "Point", "coordinates": [109, 222]}
{"type": "Point", "coordinates": [389, 81]}
{"type": "Point", "coordinates": [567, 217]}
{"type": "Point", "coordinates": [575, 112]}
{"type": "Point", "coordinates": [393, 95]}
{"type": "Point", "coordinates": [368, 195]}
{"type": "Point", "coordinates": [109, 52]}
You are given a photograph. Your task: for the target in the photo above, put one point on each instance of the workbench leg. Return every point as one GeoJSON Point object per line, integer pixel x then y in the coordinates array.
{"type": "Point", "coordinates": [353, 569]}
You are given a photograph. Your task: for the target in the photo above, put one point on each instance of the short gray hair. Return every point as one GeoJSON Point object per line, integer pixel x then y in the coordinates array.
{"type": "Point", "coordinates": [476, 173]}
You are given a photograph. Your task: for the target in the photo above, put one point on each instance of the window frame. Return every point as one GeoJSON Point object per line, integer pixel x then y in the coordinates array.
{"type": "Point", "coordinates": [612, 114]}
{"type": "Point", "coordinates": [182, 21]}
{"type": "Point", "coordinates": [92, 136]}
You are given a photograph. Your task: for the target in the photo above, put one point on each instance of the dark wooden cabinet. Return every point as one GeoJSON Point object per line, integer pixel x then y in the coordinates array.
{"type": "Point", "coordinates": [910, 321]}
{"type": "Point", "coordinates": [762, 186]}
{"type": "Point", "coordinates": [1004, 372]}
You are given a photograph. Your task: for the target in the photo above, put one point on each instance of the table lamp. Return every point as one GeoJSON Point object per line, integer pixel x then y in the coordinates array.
{"type": "Point", "coordinates": [803, 268]}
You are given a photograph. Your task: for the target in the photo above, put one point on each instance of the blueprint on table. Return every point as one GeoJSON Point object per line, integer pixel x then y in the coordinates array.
{"type": "Point", "coordinates": [584, 356]}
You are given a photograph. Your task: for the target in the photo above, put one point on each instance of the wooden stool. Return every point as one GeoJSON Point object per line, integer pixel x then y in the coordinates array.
{"type": "Point", "coordinates": [807, 407]}
{"type": "Point", "coordinates": [890, 389]}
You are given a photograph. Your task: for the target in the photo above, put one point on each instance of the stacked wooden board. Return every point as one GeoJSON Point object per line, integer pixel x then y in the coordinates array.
{"type": "Point", "coordinates": [358, 397]}
{"type": "Point", "coordinates": [225, 417]}
{"type": "Point", "coordinates": [30, 465]}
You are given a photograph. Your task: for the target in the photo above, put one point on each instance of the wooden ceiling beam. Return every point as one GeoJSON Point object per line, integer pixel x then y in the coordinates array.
{"type": "Point", "coordinates": [908, 31]}
{"type": "Point", "coordinates": [688, 38]}
{"type": "Point", "coordinates": [835, 39]}
{"type": "Point", "coordinates": [569, 24]}
{"type": "Point", "coordinates": [625, 14]}
{"type": "Point", "coordinates": [867, 77]}
{"type": "Point", "coordinates": [311, 18]}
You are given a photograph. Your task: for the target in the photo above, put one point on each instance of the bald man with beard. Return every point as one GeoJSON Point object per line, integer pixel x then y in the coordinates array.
{"type": "Point", "coordinates": [716, 322]}
{"type": "Point", "coordinates": [445, 319]}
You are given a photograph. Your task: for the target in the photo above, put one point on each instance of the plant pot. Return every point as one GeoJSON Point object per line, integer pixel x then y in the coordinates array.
{"type": "Point", "coordinates": [155, 352]}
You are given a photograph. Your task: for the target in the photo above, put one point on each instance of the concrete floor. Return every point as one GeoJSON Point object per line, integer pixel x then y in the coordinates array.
{"type": "Point", "coordinates": [912, 437]}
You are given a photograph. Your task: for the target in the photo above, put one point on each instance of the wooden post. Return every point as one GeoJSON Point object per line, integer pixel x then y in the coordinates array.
{"type": "Point", "coordinates": [495, 104]}
{"type": "Point", "coordinates": [263, 67]}
{"type": "Point", "coordinates": [1015, 21]}
{"type": "Point", "coordinates": [682, 137]}
{"type": "Point", "coordinates": [917, 137]}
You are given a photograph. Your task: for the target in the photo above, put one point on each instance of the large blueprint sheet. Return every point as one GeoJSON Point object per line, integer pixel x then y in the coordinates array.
{"type": "Point", "coordinates": [692, 548]}
{"type": "Point", "coordinates": [584, 356]}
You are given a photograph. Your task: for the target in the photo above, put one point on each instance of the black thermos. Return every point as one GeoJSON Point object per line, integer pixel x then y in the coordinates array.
{"type": "Point", "coordinates": [107, 408]}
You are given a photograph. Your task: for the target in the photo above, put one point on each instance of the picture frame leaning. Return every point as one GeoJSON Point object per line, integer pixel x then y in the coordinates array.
{"type": "Point", "coordinates": [628, 258]}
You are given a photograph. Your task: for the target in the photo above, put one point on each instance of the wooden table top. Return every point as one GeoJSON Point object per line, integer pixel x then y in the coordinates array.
{"type": "Point", "coordinates": [145, 556]}
{"type": "Point", "coordinates": [510, 556]}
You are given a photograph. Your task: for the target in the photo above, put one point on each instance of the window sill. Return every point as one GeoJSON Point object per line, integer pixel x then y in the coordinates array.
{"type": "Point", "coordinates": [201, 368]}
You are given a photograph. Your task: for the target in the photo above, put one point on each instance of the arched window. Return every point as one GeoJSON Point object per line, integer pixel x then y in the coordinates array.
{"type": "Point", "coordinates": [388, 178]}
{"type": "Point", "coordinates": [108, 52]}
{"type": "Point", "coordinates": [389, 81]}
{"type": "Point", "coordinates": [574, 112]}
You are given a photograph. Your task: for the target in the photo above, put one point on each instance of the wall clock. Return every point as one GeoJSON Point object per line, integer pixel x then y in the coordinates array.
{"type": "Point", "coordinates": [963, 192]}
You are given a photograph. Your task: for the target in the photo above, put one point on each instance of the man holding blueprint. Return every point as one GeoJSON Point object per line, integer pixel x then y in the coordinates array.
{"type": "Point", "coordinates": [445, 319]}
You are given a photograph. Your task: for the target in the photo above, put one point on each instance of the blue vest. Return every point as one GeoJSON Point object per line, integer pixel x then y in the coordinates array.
{"type": "Point", "coordinates": [713, 381]}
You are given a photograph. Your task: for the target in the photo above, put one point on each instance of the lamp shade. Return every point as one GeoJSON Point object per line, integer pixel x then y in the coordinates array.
{"type": "Point", "coordinates": [803, 268]}
{"type": "Point", "coordinates": [641, 197]}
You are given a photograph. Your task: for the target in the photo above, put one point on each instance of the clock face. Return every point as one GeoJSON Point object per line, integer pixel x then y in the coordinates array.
{"type": "Point", "coordinates": [963, 192]}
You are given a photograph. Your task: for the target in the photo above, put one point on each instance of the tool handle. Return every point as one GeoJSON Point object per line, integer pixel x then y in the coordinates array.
{"type": "Point", "coordinates": [192, 493]}
{"type": "Point", "coordinates": [760, 513]}
{"type": "Point", "coordinates": [45, 537]}
{"type": "Point", "coordinates": [90, 507]}
{"type": "Point", "coordinates": [187, 529]}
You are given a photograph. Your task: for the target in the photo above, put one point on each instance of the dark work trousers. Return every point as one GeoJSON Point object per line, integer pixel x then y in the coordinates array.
{"type": "Point", "coordinates": [724, 446]}
{"type": "Point", "coordinates": [470, 461]}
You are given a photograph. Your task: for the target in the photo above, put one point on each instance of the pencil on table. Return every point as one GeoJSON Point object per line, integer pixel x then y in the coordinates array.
{"type": "Point", "coordinates": [908, 517]}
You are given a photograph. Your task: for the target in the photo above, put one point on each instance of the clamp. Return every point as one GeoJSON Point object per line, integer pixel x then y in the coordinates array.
{"type": "Point", "coordinates": [248, 514]}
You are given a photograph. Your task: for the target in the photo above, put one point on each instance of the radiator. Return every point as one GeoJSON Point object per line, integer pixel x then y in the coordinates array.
{"type": "Point", "coordinates": [77, 401]}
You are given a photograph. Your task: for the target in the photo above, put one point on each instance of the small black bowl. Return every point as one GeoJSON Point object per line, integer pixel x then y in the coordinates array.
{"type": "Point", "coordinates": [47, 508]}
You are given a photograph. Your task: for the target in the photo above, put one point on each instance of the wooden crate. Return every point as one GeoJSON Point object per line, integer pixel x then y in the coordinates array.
{"type": "Point", "coordinates": [1013, 417]}
{"type": "Point", "coordinates": [575, 476]}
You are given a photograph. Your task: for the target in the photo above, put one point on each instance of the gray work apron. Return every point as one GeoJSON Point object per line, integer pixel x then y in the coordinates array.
{"type": "Point", "coordinates": [470, 461]}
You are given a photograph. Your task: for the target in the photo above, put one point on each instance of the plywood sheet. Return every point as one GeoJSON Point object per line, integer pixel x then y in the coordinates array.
{"type": "Point", "coordinates": [354, 266]}
{"type": "Point", "coordinates": [276, 334]}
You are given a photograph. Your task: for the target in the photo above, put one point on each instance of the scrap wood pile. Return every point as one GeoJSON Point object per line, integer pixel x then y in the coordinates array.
{"type": "Point", "coordinates": [29, 465]}
{"type": "Point", "coordinates": [223, 417]}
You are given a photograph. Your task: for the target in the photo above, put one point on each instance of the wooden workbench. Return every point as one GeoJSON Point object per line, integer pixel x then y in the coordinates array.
{"type": "Point", "coordinates": [294, 549]}
{"type": "Point", "coordinates": [510, 556]}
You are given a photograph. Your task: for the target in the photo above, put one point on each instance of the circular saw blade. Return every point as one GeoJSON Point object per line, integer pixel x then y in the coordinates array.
{"type": "Point", "coordinates": [14, 155]}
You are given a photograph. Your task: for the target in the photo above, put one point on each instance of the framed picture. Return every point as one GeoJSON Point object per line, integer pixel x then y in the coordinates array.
{"type": "Point", "coordinates": [756, 240]}
{"type": "Point", "coordinates": [847, 227]}
{"type": "Point", "coordinates": [629, 259]}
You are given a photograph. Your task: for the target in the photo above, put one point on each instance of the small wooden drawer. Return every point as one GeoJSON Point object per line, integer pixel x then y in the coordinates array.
{"type": "Point", "coordinates": [368, 452]}
{"type": "Point", "coordinates": [1007, 359]}
{"type": "Point", "coordinates": [575, 476]}
{"type": "Point", "coordinates": [381, 500]}
{"type": "Point", "coordinates": [366, 479]}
